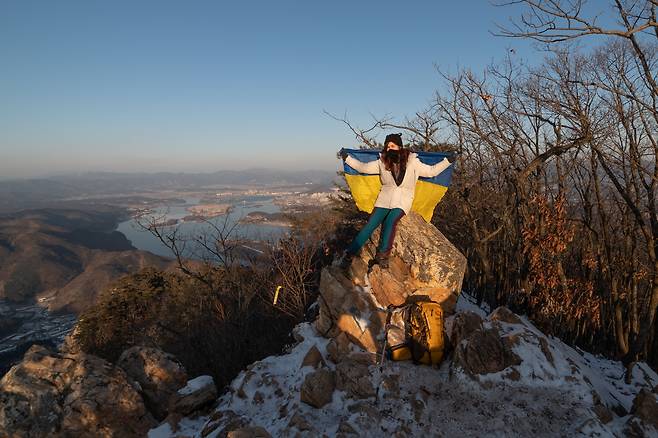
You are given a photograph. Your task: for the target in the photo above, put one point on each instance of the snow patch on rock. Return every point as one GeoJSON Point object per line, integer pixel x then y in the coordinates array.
{"type": "Point", "coordinates": [556, 390]}
{"type": "Point", "coordinates": [196, 384]}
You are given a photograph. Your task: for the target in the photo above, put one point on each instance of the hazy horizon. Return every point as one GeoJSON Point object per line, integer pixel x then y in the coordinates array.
{"type": "Point", "coordinates": [79, 172]}
{"type": "Point", "coordinates": [295, 165]}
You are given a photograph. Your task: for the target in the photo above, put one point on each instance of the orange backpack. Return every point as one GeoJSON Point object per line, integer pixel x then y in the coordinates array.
{"type": "Point", "coordinates": [415, 331]}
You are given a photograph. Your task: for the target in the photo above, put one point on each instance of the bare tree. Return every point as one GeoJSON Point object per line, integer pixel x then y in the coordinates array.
{"type": "Point", "coordinates": [626, 80]}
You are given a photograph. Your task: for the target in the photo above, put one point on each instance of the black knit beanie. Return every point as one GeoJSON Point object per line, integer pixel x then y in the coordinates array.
{"type": "Point", "coordinates": [395, 138]}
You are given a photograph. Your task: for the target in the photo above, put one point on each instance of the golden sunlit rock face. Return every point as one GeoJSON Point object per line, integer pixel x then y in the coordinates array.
{"type": "Point", "coordinates": [423, 263]}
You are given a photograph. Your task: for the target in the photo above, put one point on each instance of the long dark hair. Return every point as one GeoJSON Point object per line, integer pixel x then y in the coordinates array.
{"type": "Point", "coordinates": [396, 163]}
{"type": "Point", "coordinates": [390, 161]}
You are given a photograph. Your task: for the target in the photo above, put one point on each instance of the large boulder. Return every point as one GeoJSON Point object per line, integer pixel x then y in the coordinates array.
{"type": "Point", "coordinates": [159, 375]}
{"type": "Point", "coordinates": [249, 432]}
{"type": "Point", "coordinates": [503, 314]}
{"type": "Point", "coordinates": [645, 407]}
{"type": "Point", "coordinates": [338, 348]}
{"type": "Point", "coordinates": [355, 379]}
{"type": "Point", "coordinates": [463, 324]}
{"type": "Point", "coordinates": [423, 262]}
{"type": "Point", "coordinates": [350, 309]}
{"type": "Point", "coordinates": [485, 351]}
{"type": "Point", "coordinates": [318, 388]}
{"type": "Point", "coordinates": [313, 358]}
{"type": "Point", "coordinates": [70, 395]}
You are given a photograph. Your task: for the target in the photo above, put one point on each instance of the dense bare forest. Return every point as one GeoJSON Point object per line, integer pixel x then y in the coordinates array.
{"type": "Point", "coordinates": [554, 201]}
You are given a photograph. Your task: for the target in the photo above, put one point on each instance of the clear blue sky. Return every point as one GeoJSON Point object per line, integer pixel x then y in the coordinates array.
{"type": "Point", "coordinates": [210, 85]}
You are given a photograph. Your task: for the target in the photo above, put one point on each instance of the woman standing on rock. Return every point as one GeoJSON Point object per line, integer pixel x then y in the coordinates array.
{"type": "Point", "coordinates": [398, 170]}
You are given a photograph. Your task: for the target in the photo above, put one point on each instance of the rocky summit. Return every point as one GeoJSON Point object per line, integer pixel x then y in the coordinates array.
{"type": "Point", "coordinates": [501, 376]}
{"type": "Point", "coordinates": [423, 264]}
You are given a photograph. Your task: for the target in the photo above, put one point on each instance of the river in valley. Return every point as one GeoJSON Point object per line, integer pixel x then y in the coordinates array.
{"type": "Point", "coordinates": [22, 325]}
{"type": "Point", "coordinates": [241, 207]}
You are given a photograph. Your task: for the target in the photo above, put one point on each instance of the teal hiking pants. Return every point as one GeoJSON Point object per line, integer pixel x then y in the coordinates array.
{"type": "Point", "coordinates": [390, 218]}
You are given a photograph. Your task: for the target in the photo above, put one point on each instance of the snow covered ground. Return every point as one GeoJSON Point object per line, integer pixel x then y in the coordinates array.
{"type": "Point", "coordinates": [553, 392]}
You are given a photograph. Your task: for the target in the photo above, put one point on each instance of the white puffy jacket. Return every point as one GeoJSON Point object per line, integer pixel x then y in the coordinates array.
{"type": "Point", "coordinates": [392, 195]}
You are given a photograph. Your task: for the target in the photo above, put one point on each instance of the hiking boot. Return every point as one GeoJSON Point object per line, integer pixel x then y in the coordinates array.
{"type": "Point", "coordinates": [383, 262]}
{"type": "Point", "coordinates": [379, 259]}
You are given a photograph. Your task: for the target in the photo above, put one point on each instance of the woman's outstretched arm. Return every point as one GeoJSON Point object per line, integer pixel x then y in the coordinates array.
{"type": "Point", "coordinates": [371, 167]}
{"type": "Point", "coordinates": [430, 171]}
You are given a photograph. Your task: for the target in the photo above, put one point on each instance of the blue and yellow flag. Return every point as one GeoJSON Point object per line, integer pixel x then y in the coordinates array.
{"type": "Point", "coordinates": [429, 191]}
